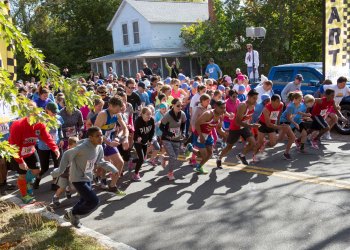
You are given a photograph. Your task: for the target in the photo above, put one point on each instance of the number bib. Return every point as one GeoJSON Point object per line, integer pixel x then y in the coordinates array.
{"type": "Point", "coordinates": [27, 150]}
{"type": "Point", "coordinates": [176, 131]}
{"type": "Point", "coordinates": [274, 116]}
{"type": "Point", "coordinates": [71, 131]}
{"type": "Point", "coordinates": [90, 165]}
{"type": "Point", "coordinates": [323, 112]}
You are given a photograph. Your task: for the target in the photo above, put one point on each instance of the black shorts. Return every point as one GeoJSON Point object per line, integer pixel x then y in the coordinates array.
{"type": "Point", "coordinates": [33, 162]}
{"type": "Point", "coordinates": [265, 129]}
{"type": "Point", "coordinates": [303, 126]}
{"type": "Point", "coordinates": [234, 135]}
{"type": "Point", "coordinates": [318, 123]}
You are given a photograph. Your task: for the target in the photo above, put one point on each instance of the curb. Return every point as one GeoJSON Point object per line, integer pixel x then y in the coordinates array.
{"type": "Point", "coordinates": [83, 231]}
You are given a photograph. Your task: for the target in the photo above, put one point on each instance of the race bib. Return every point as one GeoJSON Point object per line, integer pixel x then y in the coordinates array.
{"type": "Point", "coordinates": [176, 131]}
{"type": "Point", "coordinates": [205, 137]}
{"type": "Point", "coordinates": [27, 150]}
{"type": "Point", "coordinates": [71, 131]}
{"type": "Point", "coordinates": [90, 166]}
{"type": "Point", "coordinates": [274, 115]}
{"type": "Point", "coordinates": [323, 112]}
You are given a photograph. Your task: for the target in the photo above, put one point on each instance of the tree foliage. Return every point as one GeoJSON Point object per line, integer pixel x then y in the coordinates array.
{"type": "Point", "coordinates": [68, 32]}
{"type": "Point", "coordinates": [294, 32]}
{"type": "Point", "coordinates": [46, 72]}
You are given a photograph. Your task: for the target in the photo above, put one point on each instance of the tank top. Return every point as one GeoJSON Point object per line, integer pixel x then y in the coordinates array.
{"type": "Point", "coordinates": [246, 117]}
{"type": "Point", "coordinates": [111, 122]}
{"type": "Point", "coordinates": [208, 127]}
{"type": "Point", "coordinates": [175, 94]}
{"type": "Point", "coordinates": [273, 113]}
{"type": "Point", "coordinates": [321, 109]}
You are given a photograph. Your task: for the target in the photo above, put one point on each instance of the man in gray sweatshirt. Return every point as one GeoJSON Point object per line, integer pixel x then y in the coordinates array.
{"type": "Point", "coordinates": [292, 87]}
{"type": "Point", "coordinates": [82, 161]}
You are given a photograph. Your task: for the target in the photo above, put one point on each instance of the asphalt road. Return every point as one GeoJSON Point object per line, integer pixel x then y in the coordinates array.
{"type": "Point", "coordinates": [275, 204]}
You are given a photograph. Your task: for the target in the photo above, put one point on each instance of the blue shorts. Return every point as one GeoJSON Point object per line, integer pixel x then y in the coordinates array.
{"type": "Point", "coordinates": [208, 142]}
{"type": "Point", "coordinates": [226, 125]}
{"type": "Point", "coordinates": [108, 150]}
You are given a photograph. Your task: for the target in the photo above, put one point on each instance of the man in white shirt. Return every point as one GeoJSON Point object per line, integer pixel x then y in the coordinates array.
{"type": "Point", "coordinates": [252, 61]}
{"type": "Point", "coordinates": [264, 89]}
{"type": "Point", "coordinates": [195, 99]}
{"type": "Point", "coordinates": [340, 90]}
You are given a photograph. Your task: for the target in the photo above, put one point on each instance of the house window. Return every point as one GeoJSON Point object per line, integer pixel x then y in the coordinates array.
{"type": "Point", "coordinates": [135, 26]}
{"type": "Point", "coordinates": [125, 34]}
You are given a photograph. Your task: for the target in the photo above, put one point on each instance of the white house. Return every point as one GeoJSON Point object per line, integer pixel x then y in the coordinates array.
{"type": "Point", "coordinates": [149, 31]}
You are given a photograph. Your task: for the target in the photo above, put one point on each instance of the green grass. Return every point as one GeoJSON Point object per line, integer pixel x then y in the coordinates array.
{"type": "Point", "coordinates": [20, 230]}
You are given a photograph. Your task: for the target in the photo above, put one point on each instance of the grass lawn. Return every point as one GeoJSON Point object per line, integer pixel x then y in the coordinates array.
{"type": "Point", "coordinates": [20, 230]}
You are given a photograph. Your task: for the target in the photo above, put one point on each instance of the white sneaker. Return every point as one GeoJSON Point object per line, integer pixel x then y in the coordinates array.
{"type": "Point", "coordinates": [327, 136]}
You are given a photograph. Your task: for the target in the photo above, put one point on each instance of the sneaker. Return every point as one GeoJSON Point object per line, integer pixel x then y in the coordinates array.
{"type": "Point", "coordinates": [116, 191]}
{"type": "Point", "coordinates": [68, 194]}
{"type": "Point", "coordinates": [314, 144]}
{"type": "Point", "coordinates": [327, 136]}
{"type": "Point", "coordinates": [36, 183]}
{"type": "Point", "coordinates": [170, 176]}
{"type": "Point", "coordinates": [189, 149]}
{"type": "Point", "coordinates": [218, 164]}
{"type": "Point", "coordinates": [56, 201]}
{"type": "Point", "coordinates": [73, 219]}
{"type": "Point", "coordinates": [297, 143]}
{"type": "Point", "coordinates": [104, 185]}
{"type": "Point", "coordinates": [287, 157]}
{"type": "Point", "coordinates": [28, 199]}
{"type": "Point", "coordinates": [200, 170]}
{"type": "Point", "coordinates": [136, 177]}
{"type": "Point", "coordinates": [242, 159]}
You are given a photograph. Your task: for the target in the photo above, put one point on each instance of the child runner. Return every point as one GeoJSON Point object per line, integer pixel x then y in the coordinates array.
{"type": "Point", "coordinates": [144, 131]}
{"type": "Point", "coordinates": [173, 127]}
{"type": "Point", "coordinates": [82, 160]}
{"type": "Point", "coordinates": [63, 180]}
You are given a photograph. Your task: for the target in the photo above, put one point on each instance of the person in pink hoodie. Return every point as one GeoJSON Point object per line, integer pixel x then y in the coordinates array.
{"type": "Point", "coordinates": [232, 103]}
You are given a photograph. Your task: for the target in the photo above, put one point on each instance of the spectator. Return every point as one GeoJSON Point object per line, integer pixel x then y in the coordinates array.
{"type": "Point", "coordinates": [66, 73]}
{"type": "Point", "coordinates": [156, 70]}
{"type": "Point", "coordinates": [292, 87]}
{"type": "Point", "coordinates": [252, 61]}
{"type": "Point", "coordinates": [173, 70]}
{"type": "Point", "coordinates": [213, 70]}
{"type": "Point", "coordinates": [113, 73]}
{"type": "Point", "coordinates": [147, 71]}
{"type": "Point", "coordinates": [142, 94]}
{"type": "Point", "coordinates": [265, 88]}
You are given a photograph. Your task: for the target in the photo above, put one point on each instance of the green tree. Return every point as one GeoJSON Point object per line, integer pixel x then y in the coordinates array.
{"type": "Point", "coordinates": [46, 72]}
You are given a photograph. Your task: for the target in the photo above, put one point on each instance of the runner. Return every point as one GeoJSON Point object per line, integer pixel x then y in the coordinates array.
{"type": "Point", "coordinates": [107, 120]}
{"type": "Point", "coordinates": [319, 112]}
{"type": "Point", "coordinates": [73, 125]}
{"type": "Point", "coordinates": [269, 121]}
{"type": "Point", "coordinates": [24, 136]}
{"type": "Point", "coordinates": [82, 160]}
{"type": "Point", "coordinates": [144, 131]}
{"type": "Point", "coordinates": [206, 124]}
{"type": "Point", "coordinates": [240, 127]}
{"type": "Point", "coordinates": [173, 127]}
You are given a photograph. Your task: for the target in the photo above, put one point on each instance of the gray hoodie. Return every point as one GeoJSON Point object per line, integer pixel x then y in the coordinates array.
{"type": "Point", "coordinates": [82, 160]}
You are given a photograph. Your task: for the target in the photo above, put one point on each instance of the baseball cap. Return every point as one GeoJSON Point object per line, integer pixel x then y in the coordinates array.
{"type": "Point", "coordinates": [241, 88]}
{"type": "Point", "coordinates": [52, 107]}
{"type": "Point", "coordinates": [100, 82]}
{"type": "Point", "coordinates": [195, 85]}
{"type": "Point", "coordinates": [167, 80]}
{"type": "Point", "coordinates": [299, 77]}
{"type": "Point", "coordinates": [184, 86]}
{"type": "Point", "coordinates": [221, 88]}
{"type": "Point", "coordinates": [181, 77]}
{"type": "Point", "coordinates": [240, 77]}
{"type": "Point", "coordinates": [264, 97]}
{"type": "Point", "coordinates": [141, 84]}
{"type": "Point", "coordinates": [228, 79]}
{"type": "Point", "coordinates": [147, 83]}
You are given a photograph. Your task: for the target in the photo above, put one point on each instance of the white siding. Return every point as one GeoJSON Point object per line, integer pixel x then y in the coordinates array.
{"type": "Point", "coordinates": [128, 15]}
{"type": "Point", "coordinates": [166, 35]}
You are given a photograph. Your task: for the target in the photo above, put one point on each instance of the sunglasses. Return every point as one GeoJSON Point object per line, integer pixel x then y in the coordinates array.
{"type": "Point", "coordinates": [179, 105]}
{"type": "Point", "coordinates": [102, 93]}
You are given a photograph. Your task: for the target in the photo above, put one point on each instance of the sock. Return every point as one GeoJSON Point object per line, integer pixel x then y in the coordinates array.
{"type": "Point", "coordinates": [22, 186]}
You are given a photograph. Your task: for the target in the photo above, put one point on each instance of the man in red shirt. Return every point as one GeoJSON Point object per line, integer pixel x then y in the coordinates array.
{"type": "Point", "coordinates": [24, 136]}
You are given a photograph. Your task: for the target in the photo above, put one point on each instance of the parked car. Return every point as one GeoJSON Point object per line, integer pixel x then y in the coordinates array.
{"type": "Point", "coordinates": [313, 76]}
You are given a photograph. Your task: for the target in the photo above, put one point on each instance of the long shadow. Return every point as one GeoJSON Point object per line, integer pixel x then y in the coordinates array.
{"type": "Point", "coordinates": [342, 236]}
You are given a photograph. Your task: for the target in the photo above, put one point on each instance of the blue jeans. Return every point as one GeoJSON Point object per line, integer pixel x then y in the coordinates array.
{"type": "Point", "coordinates": [88, 199]}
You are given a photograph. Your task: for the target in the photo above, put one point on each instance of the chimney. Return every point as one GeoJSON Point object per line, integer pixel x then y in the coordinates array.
{"type": "Point", "coordinates": [212, 15]}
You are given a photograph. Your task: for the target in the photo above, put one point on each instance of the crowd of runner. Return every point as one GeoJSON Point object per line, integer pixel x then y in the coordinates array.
{"type": "Point", "coordinates": [154, 119]}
